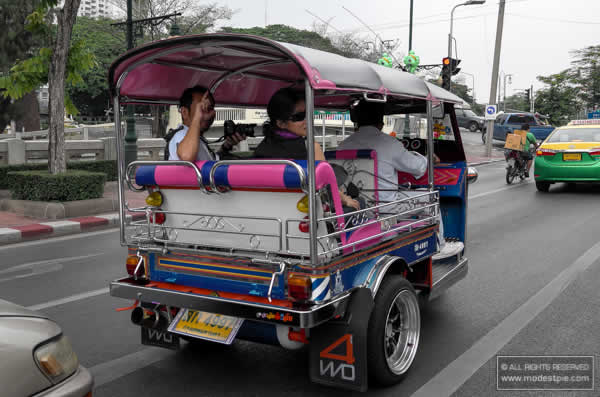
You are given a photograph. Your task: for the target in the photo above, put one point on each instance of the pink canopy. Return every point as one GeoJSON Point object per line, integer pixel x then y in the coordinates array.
{"type": "Point", "coordinates": [246, 70]}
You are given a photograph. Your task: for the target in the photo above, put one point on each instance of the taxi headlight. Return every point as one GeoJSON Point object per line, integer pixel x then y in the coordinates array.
{"type": "Point", "coordinates": [56, 359]}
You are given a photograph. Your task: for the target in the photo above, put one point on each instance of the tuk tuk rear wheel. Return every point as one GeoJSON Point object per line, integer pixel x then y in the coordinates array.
{"type": "Point", "coordinates": [394, 330]}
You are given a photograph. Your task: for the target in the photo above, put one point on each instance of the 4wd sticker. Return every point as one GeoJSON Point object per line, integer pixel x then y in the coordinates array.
{"type": "Point", "coordinates": [334, 364]}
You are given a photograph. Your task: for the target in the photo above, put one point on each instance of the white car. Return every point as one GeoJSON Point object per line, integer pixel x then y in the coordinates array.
{"type": "Point", "coordinates": [36, 358]}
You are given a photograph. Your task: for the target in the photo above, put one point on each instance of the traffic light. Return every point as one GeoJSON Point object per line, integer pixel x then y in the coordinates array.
{"type": "Point", "coordinates": [446, 74]}
{"type": "Point", "coordinates": [528, 94]}
{"type": "Point", "coordinates": [454, 66]}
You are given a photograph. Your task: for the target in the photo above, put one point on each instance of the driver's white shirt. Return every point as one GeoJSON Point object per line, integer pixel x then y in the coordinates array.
{"type": "Point", "coordinates": [203, 153]}
{"type": "Point", "coordinates": [392, 157]}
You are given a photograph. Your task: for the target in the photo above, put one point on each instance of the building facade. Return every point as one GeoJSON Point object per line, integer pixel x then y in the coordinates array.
{"type": "Point", "coordinates": [94, 9]}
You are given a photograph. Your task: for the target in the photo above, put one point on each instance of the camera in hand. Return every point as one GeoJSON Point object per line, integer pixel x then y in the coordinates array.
{"type": "Point", "coordinates": [230, 128]}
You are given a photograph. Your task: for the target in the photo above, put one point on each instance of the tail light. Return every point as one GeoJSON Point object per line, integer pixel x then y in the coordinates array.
{"type": "Point", "coordinates": [595, 151]}
{"type": "Point", "coordinates": [154, 199]}
{"type": "Point", "coordinates": [132, 263]}
{"type": "Point", "coordinates": [304, 227]}
{"type": "Point", "coordinates": [303, 205]}
{"type": "Point", "coordinates": [546, 152]}
{"type": "Point", "coordinates": [158, 218]}
{"type": "Point", "coordinates": [299, 287]}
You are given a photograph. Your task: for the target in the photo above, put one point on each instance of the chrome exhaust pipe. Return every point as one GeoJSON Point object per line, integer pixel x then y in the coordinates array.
{"type": "Point", "coordinates": [155, 321]}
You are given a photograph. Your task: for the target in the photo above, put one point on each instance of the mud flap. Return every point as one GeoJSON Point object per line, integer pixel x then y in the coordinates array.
{"type": "Point", "coordinates": [338, 348]}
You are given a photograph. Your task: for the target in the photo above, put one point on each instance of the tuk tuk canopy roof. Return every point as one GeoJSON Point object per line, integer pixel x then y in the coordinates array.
{"type": "Point", "coordinates": [244, 70]}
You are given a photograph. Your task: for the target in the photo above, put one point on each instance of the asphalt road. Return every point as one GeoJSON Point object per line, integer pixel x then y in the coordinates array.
{"type": "Point", "coordinates": [531, 289]}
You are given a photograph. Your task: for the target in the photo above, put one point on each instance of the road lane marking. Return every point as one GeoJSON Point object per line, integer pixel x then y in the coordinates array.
{"type": "Point", "coordinates": [478, 195]}
{"type": "Point", "coordinates": [39, 267]}
{"type": "Point", "coordinates": [69, 299]}
{"type": "Point", "coordinates": [112, 370]}
{"type": "Point", "coordinates": [451, 378]}
{"type": "Point", "coordinates": [56, 239]}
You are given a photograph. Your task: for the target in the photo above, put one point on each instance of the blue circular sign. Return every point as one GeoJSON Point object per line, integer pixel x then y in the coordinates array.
{"type": "Point", "coordinates": [490, 110]}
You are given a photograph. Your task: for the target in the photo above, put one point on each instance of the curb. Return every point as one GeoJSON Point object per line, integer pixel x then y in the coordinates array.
{"type": "Point", "coordinates": [15, 234]}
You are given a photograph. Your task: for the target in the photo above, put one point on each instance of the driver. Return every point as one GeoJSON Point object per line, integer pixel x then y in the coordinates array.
{"type": "Point", "coordinates": [392, 157]}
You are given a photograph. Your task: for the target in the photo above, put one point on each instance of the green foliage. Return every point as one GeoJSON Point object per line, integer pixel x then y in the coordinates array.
{"type": "Point", "coordinates": [559, 99]}
{"type": "Point", "coordinates": [108, 167]}
{"type": "Point", "coordinates": [28, 74]}
{"type": "Point", "coordinates": [106, 43]}
{"type": "Point", "coordinates": [288, 34]}
{"type": "Point", "coordinates": [68, 186]}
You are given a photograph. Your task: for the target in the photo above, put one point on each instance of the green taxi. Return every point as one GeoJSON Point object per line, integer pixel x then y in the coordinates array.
{"type": "Point", "coordinates": [570, 154]}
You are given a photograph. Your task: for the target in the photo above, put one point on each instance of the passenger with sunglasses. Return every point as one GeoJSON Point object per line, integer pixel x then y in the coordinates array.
{"type": "Point", "coordinates": [285, 133]}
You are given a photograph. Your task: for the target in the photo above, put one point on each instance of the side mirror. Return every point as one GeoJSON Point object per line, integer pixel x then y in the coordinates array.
{"type": "Point", "coordinates": [472, 175]}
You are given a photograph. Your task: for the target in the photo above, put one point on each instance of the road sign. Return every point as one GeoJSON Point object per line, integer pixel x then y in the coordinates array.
{"type": "Point", "coordinates": [594, 115]}
{"type": "Point", "coordinates": [490, 112]}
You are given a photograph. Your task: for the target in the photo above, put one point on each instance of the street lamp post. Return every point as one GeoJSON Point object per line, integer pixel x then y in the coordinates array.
{"type": "Point", "coordinates": [467, 3]}
{"type": "Point", "coordinates": [473, 78]}
{"type": "Point", "coordinates": [504, 90]}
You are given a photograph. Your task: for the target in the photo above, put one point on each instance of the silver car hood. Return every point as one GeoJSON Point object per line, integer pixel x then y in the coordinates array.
{"type": "Point", "coordinates": [8, 309]}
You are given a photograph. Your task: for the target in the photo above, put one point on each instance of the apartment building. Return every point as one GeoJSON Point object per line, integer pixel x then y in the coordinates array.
{"type": "Point", "coordinates": [94, 9]}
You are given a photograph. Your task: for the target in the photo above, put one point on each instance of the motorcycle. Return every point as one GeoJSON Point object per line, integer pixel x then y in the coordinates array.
{"type": "Point", "coordinates": [516, 166]}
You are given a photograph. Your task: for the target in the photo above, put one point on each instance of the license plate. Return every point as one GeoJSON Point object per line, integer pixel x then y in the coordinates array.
{"type": "Point", "coordinates": [204, 325]}
{"type": "Point", "coordinates": [153, 337]}
{"type": "Point", "coordinates": [571, 156]}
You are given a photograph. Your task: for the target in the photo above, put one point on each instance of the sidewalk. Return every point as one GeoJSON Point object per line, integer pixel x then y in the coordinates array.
{"type": "Point", "coordinates": [15, 228]}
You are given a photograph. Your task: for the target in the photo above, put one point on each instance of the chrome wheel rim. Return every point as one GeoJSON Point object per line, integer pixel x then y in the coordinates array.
{"type": "Point", "coordinates": [401, 333]}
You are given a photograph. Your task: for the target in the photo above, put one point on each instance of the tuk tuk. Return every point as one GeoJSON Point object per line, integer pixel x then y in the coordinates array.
{"type": "Point", "coordinates": [262, 250]}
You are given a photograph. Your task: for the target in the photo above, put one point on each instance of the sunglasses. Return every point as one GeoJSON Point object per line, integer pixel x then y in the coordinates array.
{"type": "Point", "coordinates": [298, 116]}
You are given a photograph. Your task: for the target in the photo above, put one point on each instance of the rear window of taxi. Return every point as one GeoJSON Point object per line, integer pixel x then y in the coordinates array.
{"type": "Point", "coordinates": [575, 135]}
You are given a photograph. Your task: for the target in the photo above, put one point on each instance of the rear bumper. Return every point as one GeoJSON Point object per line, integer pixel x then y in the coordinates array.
{"type": "Point", "coordinates": [79, 384]}
{"type": "Point", "coordinates": [545, 171]}
{"type": "Point", "coordinates": [304, 318]}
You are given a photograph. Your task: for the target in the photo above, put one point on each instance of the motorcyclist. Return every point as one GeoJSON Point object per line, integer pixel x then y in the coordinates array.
{"type": "Point", "coordinates": [529, 148]}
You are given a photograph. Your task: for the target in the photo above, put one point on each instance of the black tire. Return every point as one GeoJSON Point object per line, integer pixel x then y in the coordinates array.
{"type": "Point", "coordinates": [510, 174]}
{"type": "Point", "coordinates": [473, 126]}
{"type": "Point", "coordinates": [382, 370]}
{"type": "Point", "coordinates": [542, 186]}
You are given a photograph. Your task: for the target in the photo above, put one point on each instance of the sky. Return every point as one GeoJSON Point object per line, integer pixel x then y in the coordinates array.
{"type": "Point", "coordinates": [537, 39]}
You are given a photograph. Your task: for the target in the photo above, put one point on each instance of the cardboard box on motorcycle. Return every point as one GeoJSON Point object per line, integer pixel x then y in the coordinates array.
{"type": "Point", "coordinates": [514, 142]}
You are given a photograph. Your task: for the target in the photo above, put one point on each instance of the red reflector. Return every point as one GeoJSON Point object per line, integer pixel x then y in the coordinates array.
{"type": "Point", "coordinates": [158, 218]}
{"type": "Point", "coordinates": [595, 152]}
{"type": "Point", "coordinates": [304, 226]}
{"type": "Point", "coordinates": [131, 264]}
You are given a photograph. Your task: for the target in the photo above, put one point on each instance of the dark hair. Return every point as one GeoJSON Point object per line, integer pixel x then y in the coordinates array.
{"type": "Point", "coordinates": [281, 107]}
{"type": "Point", "coordinates": [187, 97]}
{"type": "Point", "coordinates": [368, 113]}
{"type": "Point", "coordinates": [525, 127]}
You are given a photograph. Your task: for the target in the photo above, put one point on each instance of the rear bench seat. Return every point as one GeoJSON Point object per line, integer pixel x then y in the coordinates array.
{"type": "Point", "coordinates": [257, 192]}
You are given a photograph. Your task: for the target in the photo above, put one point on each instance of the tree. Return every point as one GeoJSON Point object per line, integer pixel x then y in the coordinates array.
{"type": "Point", "coordinates": [558, 99]}
{"type": "Point", "coordinates": [92, 96]}
{"type": "Point", "coordinates": [15, 43]}
{"type": "Point", "coordinates": [586, 75]}
{"type": "Point", "coordinates": [519, 102]}
{"type": "Point", "coordinates": [59, 63]}
{"type": "Point", "coordinates": [196, 18]}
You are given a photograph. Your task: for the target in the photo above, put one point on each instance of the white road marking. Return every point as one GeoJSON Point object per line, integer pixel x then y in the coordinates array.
{"type": "Point", "coordinates": [55, 239]}
{"type": "Point", "coordinates": [451, 378]}
{"type": "Point", "coordinates": [69, 299]}
{"type": "Point", "coordinates": [478, 195]}
{"type": "Point", "coordinates": [112, 370]}
{"type": "Point", "coordinates": [40, 267]}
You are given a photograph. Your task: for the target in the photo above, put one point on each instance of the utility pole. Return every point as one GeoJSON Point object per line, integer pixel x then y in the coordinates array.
{"type": "Point", "coordinates": [410, 29]}
{"type": "Point", "coordinates": [531, 100]}
{"type": "Point", "coordinates": [130, 136]}
{"type": "Point", "coordinates": [494, 84]}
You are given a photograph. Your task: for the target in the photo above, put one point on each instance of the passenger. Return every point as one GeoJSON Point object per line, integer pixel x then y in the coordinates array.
{"type": "Point", "coordinates": [285, 133]}
{"type": "Point", "coordinates": [392, 157]}
{"type": "Point", "coordinates": [197, 107]}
